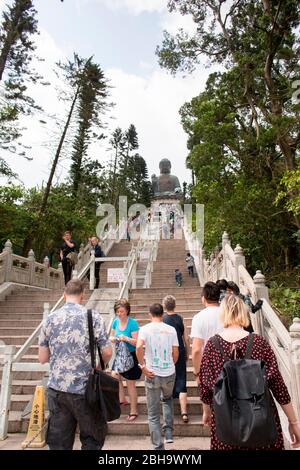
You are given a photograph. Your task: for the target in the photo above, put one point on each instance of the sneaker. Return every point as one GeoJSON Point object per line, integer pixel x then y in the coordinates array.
{"type": "Point", "coordinates": [168, 438]}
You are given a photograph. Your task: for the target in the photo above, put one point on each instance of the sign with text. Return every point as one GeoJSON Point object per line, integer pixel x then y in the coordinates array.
{"type": "Point", "coordinates": [145, 254]}
{"type": "Point", "coordinates": [115, 275]}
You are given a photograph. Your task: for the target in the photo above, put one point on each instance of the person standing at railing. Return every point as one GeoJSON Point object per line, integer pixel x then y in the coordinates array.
{"type": "Point", "coordinates": [64, 342]}
{"type": "Point", "coordinates": [97, 250]}
{"type": "Point", "coordinates": [125, 329]}
{"type": "Point", "coordinates": [67, 251]}
{"type": "Point", "coordinates": [233, 288]}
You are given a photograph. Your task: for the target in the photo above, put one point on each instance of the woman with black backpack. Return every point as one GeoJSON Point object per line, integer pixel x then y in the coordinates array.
{"type": "Point", "coordinates": [238, 371]}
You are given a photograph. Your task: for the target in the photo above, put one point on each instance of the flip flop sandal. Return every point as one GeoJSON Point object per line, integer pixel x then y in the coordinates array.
{"type": "Point", "coordinates": [131, 417]}
{"type": "Point", "coordinates": [185, 417]}
{"type": "Point", "coordinates": [124, 403]}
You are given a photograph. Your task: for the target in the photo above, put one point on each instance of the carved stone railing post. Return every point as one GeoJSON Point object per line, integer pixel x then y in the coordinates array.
{"type": "Point", "coordinates": [8, 260]}
{"type": "Point", "coordinates": [46, 310]}
{"type": "Point", "coordinates": [81, 259]}
{"type": "Point", "coordinates": [74, 274]}
{"type": "Point", "coordinates": [216, 256]}
{"type": "Point", "coordinates": [134, 256]}
{"type": "Point", "coordinates": [261, 292]}
{"type": "Point", "coordinates": [239, 261]}
{"type": "Point", "coordinates": [6, 389]}
{"type": "Point", "coordinates": [209, 271]}
{"type": "Point", "coordinates": [225, 241]}
{"type": "Point", "coordinates": [125, 280]}
{"type": "Point", "coordinates": [295, 364]}
{"type": "Point", "coordinates": [61, 276]}
{"type": "Point", "coordinates": [260, 286]}
{"type": "Point", "coordinates": [205, 268]}
{"type": "Point", "coordinates": [31, 261]}
{"type": "Point", "coordinates": [92, 271]}
{"type": "Point", "coordinates": [46, 263]}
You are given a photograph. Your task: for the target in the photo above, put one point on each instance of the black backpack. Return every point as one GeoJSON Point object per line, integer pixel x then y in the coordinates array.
{"type": "Point", "coordinates": [242, 402]}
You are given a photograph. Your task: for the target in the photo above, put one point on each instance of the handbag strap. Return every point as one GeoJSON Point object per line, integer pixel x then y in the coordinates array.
{"type": "Point", "coordinates": [91, 338]}
{"type": "Point", "coordinates": [249, 346]}
{"type": "Point", "coordinates": [92, 342]}
{"type": "Point", "coordinates": [218, 345]}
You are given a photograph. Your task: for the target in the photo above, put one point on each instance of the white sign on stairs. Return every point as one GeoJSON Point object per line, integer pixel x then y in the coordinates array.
{"type": "Point", "coordinates": [115, 275]}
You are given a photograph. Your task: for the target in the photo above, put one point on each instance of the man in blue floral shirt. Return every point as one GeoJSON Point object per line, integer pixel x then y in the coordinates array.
{"type": "Point", "coordinates": [64, 342]}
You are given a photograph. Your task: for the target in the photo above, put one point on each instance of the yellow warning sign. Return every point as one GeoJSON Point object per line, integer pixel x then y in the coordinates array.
{"type": "Point", "coordinates": [36, 434]}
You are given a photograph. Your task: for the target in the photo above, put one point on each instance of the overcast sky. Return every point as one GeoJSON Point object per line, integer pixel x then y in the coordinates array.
{"type": "Point", "coordinates": [122, 36]}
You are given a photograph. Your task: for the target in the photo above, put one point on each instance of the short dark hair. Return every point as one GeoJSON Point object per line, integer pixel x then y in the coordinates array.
{"type": "Point", "coordinates": [122, 303]}
{"type": "Point", "coordinates": [234, 287]}
{"type": "Point", "coordinates": [222, 283]}
{"type": "Point", "coordinates": [211, 292]}
{"type": "Point", "coordinates": [156, 310]}
{"type": "Point", "coordinates": [74, 287]}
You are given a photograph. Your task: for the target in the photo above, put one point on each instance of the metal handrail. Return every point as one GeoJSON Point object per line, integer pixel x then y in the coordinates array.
{"type": "Point", "coordinates": [22, 351]}
{"type": "Point", "coordinates": [29, 342]}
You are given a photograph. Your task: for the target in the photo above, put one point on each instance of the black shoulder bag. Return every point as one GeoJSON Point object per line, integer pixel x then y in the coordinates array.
{"type": "Point", "coordinates": [242, 402]}
{"type": "Point", "coordinates": [102, 390]}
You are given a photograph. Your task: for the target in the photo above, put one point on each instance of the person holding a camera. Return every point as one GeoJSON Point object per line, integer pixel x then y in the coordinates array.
{"type": "Point", "coordinates": [68, 255]}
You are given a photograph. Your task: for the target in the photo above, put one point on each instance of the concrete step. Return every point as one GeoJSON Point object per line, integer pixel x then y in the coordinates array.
{"type": "Point", "coordinates": [183, 313]}
{"type": "Point", "coordinates": [169, 284]}
{"type": "Point", "coordinates": [19, 339]}
{"type": "Point", "coordinates": [140, 426]}
{"type": "Point", "coordinates": [15, 330]}
{"type": "Point", "coordinates": [161, 288]}
{"type": "Point", "coordinates": [19, 402]}
{"type": "Point", "coordinates": [181, 297]}
{"type": "Point", "coordinates": [192, 388]}
{"type": "Point", "coordinates": [13, 322]}
{"type": "Point", "coordinates": [24, 387]}
{"type": "Point", "coordinates": [143, 321]}
{"type": "Point", "coordinates": [194, 428]}
{"type": "Point", "coordinates": [195, 407]}
{"type": "Point", "coordinates": [180, 303]}
{"type": "Point", "coordinates": [21, 309]}
{"type": "Point", "coordinates": [36, 317]}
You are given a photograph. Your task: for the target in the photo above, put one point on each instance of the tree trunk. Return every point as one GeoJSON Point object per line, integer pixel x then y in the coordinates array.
{"type": "Point", "coordinates": [28, 241]}
{"type": "Point", "coordinates": [10, 39]}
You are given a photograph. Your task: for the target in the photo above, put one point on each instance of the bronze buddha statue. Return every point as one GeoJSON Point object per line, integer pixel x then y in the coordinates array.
{"type": "Point", "coordinates": [166, 185]}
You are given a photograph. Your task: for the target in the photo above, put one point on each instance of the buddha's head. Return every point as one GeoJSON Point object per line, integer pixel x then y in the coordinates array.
{"type": "Point", "coordinates": [165, 166]}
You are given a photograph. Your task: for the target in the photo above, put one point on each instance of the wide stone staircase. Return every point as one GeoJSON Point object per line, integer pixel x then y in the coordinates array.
{"type": "Point", "coordinates": [20, 313]}
{"type": "Point", "coordinates": [171, 255]}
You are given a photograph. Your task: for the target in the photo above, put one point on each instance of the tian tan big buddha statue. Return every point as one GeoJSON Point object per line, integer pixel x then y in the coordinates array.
{"type": "Point", "coordinates": [166, 186]}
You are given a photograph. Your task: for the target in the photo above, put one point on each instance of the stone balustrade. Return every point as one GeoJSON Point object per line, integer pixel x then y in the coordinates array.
{"type": "Point", "coordinates": [230, 264]}
{"type": "Point", "coordinates": [21, 270]}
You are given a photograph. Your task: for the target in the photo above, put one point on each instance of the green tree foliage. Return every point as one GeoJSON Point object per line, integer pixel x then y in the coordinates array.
{"type": "Point", "coordinates": [92, 103]}
{"type": "Point", "coordinates": [73, 77]}
{"type": "Point", "coordinates": [128, 173]}
{"type": "Point", "coordinates": [258, 41]}
{"type": "Point", "coordinates": [116, 143]}
{"type": "Point", "coordinates": [238, 176]}
{"type": "Point", "coordinates": [138, 188]}
{"type": "Point", "coordinates": [19, 209]}
{"type": "Point", "coordinates": [17, 29]}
